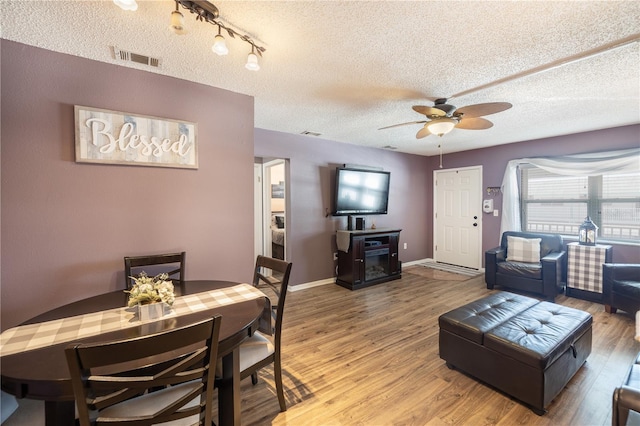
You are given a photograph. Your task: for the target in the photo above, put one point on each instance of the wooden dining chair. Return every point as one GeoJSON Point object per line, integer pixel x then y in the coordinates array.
{"type": "Point", "coordinates": [162, 377]}
{"type": "Point", "coordinates": [260, 350]}
{"type": "Point", "coordinates": [133, 265]}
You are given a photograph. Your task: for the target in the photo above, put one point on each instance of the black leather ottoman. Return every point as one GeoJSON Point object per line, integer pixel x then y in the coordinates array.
{"type": "Point", "coordinates": [526, 348]}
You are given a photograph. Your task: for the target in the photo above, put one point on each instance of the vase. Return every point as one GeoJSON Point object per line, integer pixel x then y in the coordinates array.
{"type": "Point", "coordinates": [151, 311]}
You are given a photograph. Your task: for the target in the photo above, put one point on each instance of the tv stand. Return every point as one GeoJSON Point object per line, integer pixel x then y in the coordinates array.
{"type": "Point", "coordinates": [367, 257]}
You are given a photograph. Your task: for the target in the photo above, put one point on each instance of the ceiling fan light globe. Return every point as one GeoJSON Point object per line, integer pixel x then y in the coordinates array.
{"type": "Point", "coordinates": [220, 46]}
{"type": "Point", "coordinates": [441, 126]}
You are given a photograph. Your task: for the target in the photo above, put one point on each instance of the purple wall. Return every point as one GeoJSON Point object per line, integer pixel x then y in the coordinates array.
{"type": "Point", "coordinates": [495, 159]}
{"type": "Point", "coordinates": [312, 167]}
{"type": "Point", "coordinates": [67, 226]}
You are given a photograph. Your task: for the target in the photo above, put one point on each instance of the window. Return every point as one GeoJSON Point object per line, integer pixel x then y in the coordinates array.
{"type": "Point", "coordinates": [558, 204]}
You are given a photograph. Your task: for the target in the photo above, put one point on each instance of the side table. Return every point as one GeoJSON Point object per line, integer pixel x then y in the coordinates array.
{"type": "Point", "coordinates": [584, 270]}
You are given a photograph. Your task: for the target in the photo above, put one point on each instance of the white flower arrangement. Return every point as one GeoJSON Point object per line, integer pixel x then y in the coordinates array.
{"type": "Point", "coordinates": [148, 290]}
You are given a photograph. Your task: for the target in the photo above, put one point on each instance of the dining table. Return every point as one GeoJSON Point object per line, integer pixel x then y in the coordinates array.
{"type": "Point", "coordinates": [38, 368]}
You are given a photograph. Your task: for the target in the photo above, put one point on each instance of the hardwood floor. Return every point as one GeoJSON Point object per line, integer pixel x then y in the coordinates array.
{"type": "Point", "coordinates": [370, 357]}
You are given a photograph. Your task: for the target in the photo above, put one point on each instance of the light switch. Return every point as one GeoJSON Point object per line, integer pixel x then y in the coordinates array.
{"type": "Point", "coordinates": [496, 213]}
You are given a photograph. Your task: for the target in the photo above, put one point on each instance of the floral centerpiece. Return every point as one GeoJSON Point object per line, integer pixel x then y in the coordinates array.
{"type": "Point", "coordinates": [147, 290]}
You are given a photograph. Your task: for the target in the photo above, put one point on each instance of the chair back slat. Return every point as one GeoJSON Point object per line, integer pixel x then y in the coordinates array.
{"type": "Point", "coordinates": [133, 265]}
{"type": "Point", "coordinates": [106, 375]}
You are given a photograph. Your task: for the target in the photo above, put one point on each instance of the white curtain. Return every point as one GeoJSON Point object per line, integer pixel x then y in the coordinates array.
{"type": "Point", "coordinates": [592, 164]}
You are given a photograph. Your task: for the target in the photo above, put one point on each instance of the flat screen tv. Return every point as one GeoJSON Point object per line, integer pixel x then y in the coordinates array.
{"type": "Point", "coordinates": [361, 192]}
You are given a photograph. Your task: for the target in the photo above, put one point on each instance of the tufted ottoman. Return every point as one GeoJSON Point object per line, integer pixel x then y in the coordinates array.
{"type": "Point", "coordinates": [526, 348]}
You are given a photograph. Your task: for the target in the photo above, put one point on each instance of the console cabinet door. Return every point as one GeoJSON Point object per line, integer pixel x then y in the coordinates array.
{"type": "Point", "coordinates": [393, 254]}
{"type": "Point", "coordinates": [357, 248]}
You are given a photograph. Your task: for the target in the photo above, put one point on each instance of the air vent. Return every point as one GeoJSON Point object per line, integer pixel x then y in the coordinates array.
{"type": "Point", "coordinates": [308, 133]}
{"type": "Point", "coordinates": [123, 55]}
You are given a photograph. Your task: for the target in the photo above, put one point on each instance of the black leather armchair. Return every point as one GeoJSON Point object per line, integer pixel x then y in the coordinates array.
{"type": "Point", "coordinates": [626, 399]}
{"type": "Point", "coordinates": [621, 287]}
{"type": "Point", "coordinates": [544, 278]}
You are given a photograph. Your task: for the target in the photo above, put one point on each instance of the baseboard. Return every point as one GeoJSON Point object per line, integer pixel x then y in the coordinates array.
{"type": "Point", "coordinates": [312, 284]}
{"type": "Point", "coordinates": [326, 281]}
{"type": "Point", "coordinates": [417, 262]}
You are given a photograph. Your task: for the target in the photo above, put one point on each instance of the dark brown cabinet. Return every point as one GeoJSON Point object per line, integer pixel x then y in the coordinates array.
{"type": "Point", "coordinates": [367, 257]}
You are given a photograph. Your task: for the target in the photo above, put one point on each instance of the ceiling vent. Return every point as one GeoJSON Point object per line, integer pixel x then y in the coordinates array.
{"type": "Point", "coordinates": [309, 133]}
{"type": "Point", "coordinates": [123, 55]}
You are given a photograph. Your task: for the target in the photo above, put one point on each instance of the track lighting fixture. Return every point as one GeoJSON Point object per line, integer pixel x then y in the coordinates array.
{"type": "Point", "coordinates": [219, 44]}
{"type": "Point", "coordinates": [177, 22]}
{"type": "Point", "coordinates": [126, 4]}
{"type": "Point", "coordinates": [205, 12]}
{"type": "Point", "coordinates": [208, 12]}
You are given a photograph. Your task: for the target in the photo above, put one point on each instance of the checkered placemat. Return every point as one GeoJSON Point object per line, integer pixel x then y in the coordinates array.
{"type": "Point", "coordinates": [33, 336]}
{"type": "Point", "coordinates": [584, 268]}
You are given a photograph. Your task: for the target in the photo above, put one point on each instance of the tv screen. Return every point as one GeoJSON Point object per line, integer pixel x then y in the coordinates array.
{"type": "Point", "coordinates": [360, 192]}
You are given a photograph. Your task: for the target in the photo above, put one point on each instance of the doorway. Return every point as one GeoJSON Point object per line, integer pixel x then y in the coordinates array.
{"type": "Point", "coordinates": [457, 221]}
{"type": "Point", "coordinates": [270, 215]}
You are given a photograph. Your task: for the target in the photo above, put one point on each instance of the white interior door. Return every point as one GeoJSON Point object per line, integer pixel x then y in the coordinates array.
{"type": "Point", "coordinates": [458, 216]}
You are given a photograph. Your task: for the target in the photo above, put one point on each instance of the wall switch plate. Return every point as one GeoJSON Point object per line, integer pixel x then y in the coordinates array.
{"type": "Point", "coordinates": [496, 213]}
{"type": "Point", "coordinates": [405, 246]}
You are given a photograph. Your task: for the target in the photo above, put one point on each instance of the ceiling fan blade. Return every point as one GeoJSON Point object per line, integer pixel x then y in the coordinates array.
{"type": "Point", "coordinates": [427, 110]}
{"type": "Point", "coordinates": [478, 110]}
{"type": "Point", "coordinates": [474, 123]}
{"type": "Point", "coordinates": [403, 124]}
{"type": "Point", "coordinates": [423, 133]}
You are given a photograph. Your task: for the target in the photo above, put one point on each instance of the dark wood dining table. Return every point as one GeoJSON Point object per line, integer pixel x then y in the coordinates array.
{"type": "Point", "coordinates": [43, 374]}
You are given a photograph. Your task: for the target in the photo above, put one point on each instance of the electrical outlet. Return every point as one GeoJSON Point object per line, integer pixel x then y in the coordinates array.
{"type": "Point", "coordinates": [496, 213]}
{"type": "Point", "coordinates": [335, 256]}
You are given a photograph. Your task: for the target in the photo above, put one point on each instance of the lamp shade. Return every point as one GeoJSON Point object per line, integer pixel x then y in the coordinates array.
{"type": "Point", "coordinates": [252, 62]}
{"type": "Point", "coordinates": [127, 4]}
{"type": "Point", "coordinates": [587, 232]}
{"type": "Point", "coordinates": [177, 23]}
{"type": "Point", "coordinates": [441, 126]}
{"type": "Point", "coordinates": [219, 45]}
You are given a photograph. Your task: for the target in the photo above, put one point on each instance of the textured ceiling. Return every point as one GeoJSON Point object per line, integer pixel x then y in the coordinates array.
{"type": "Point", "coordinates": [345, 69]}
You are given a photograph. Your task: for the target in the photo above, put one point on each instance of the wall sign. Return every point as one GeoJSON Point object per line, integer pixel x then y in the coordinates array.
{"type": "Point", "coordinates": [112, 137]}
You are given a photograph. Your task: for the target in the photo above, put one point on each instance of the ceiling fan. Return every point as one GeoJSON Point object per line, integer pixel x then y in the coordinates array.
{"type": "Point", "coordinates": [441, 118]}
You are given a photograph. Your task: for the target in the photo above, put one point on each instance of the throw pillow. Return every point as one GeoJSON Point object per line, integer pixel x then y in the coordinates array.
{"type": "Point", "coordinates": [523, 249]}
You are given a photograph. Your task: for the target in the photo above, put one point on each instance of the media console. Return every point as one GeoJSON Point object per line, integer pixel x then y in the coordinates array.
{"type": "Point", "coordinates": [367, 257]}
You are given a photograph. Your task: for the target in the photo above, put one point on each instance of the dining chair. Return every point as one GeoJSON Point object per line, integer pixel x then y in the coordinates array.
{"type": "Point", "coordinates": [260, 350]}
{"type": "Point", "coordinates": [133, 266]}
{"type": "Point", "coordinates": [157, 378]}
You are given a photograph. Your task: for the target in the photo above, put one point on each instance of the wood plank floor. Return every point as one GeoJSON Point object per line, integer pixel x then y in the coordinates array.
{"type": "Point", "coordinates": [370, 357]}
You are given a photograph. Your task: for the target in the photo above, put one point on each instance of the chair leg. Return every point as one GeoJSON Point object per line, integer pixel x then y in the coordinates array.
{"type": "Point", "coordinates": [610, 309]}
{"type": "Point", "coordinates": [277, 372]}
{"type": "Point", "coordinates": [254, 378]}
